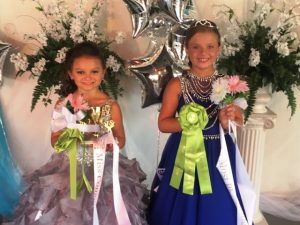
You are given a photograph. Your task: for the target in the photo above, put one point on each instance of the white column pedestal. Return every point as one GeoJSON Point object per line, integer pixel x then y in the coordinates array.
{"type": "Point", "coordinates": [251, 142]}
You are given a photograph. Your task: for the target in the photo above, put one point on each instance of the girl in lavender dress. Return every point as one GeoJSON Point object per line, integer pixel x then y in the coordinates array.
{"type": "Point", "coordinates": [47, 199]}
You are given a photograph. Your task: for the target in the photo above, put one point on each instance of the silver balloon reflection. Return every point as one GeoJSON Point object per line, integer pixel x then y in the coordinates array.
{"type": "Point", "coordinates": [174, 8]}
{"type": "Point", "coordinates": [4, 48]}
{"type": "Point", "coordinates": [139, 15]}
{"type": "Point", "coordinates": [157, 16]}
{"type": "Point", "coordinates": [175, 45]}
{"type": "Point", "coordinates": [153, 71]}
{"type": "Point", "coordinates": [159, 26]}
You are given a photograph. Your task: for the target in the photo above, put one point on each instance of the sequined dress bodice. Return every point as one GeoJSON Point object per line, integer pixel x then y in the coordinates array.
{"type": "Point", "coordinates": [198, 90]}
{"type": "Point", "coordinates": [100, 115]}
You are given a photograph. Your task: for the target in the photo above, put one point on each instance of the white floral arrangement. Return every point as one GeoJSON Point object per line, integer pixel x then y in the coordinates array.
{"type": "Point", "coordinates": [264, 48]}
{"type": "Point", "coordinates": [61, 29]}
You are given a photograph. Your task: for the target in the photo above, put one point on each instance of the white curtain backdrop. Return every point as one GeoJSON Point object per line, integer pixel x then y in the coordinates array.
{"type": "Point", "coordinates": [29, 132]}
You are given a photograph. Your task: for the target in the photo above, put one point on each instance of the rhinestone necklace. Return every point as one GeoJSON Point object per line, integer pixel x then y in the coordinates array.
{"type": "Point", "coordinates": [200, 87]}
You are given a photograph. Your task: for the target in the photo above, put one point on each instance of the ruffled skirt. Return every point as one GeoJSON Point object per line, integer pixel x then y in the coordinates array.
{"type": "Point", "coordinates": [48, 194]}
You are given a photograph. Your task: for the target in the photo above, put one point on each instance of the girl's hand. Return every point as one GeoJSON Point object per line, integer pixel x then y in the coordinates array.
{"type": "Point", "coordinates": [109, 147]}
{"type": "Point", "coordinates": [59, 104]}
{"type": "Point", "coordinates": [55, 136]}
{"type": "Point", "coordinates": [230, 112]}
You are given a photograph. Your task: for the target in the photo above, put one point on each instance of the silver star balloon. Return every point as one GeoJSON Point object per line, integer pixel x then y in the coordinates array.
{"type": "Point", "coordinates": [139, 10]}
{"type": "Point", "coordinates": [154, 70]}
{"type": "Point", "coordinates": [175, 44]}
{"type": "Point", "coordinates": [4, 48]}
{"type": "Point", "coordinates": [159, 27]}
{"type": "Point", "coordinates": [157, 15]}
{"type": "Point", "coordinates": [174, 8]}
{"type": "Point", "coordinates": [164, 22]}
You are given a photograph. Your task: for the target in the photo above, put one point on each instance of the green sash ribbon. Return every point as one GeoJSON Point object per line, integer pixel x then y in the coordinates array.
{"type": "Point", "coordinates": [191, 153]}
{"type": "Point", "coordinates": [68, 140]}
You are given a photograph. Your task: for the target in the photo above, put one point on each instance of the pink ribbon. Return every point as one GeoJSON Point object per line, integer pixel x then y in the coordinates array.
{"type": "Point", "coordinates": [99, 161]}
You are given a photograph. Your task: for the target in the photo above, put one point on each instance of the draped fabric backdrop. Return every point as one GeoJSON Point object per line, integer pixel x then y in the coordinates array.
{"type": "Point", "coordinates": [29, 132]}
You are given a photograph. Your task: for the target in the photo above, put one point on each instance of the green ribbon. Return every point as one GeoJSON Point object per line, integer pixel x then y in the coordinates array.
{"type": "Point", "coordinates": [68, 140]}
{"type": "Point", "coordinates": [191, 153]}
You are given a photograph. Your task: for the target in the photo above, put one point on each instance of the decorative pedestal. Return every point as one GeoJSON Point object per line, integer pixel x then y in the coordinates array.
{"type": "Point", "coordinates": [262, 99]}
{"type": "Point", "coordinates": [251, 142]}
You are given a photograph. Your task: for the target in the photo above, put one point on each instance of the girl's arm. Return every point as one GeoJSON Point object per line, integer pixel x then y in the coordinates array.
{"type": "Point", "coordinates": [231, 112]}
{"type": "Point", "coordinates": [118, 129]}
{"type": "Point", "coordinates": [167, 122]}
{"type": "Point", "coordinates": [54, 137]}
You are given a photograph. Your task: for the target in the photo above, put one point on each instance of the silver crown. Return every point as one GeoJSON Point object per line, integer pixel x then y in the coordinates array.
{"type": "Point", "coordinates": [205, 23]}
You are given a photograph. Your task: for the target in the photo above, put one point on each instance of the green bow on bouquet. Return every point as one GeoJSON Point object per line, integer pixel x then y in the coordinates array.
{"type": "Point", "coordinates": [68, 140]}
{"type": "Point", "coordinates": [191, 153]}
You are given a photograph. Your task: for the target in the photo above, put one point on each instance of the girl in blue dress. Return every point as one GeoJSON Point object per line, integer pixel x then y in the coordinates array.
{"type": "Point", "coordinates": [204, 201]}
{"type": "Point", "coordinates": [11, 185]}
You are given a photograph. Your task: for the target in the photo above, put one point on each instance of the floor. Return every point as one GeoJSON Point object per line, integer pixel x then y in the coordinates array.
{"type": "Point", "coordinates": [272, 220]}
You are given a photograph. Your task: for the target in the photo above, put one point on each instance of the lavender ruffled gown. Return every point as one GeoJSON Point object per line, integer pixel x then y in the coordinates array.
{"type": "Point", "coordinates": [48, 194]}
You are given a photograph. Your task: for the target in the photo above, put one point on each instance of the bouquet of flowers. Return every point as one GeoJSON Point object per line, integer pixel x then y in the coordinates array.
{"type": "Point", "coordinates": [78, 123]}
{"type": "Point", "coordinates": [264, 48]}
{"type": "Point", "coordinates": [61, 29]}
{"type": "Point", "coordinates": [71, 111]}
{"type": "Point", "coordinates": [230, 89]}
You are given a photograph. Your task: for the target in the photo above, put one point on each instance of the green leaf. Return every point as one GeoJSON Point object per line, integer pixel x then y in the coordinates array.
{"type": "Point", "coordinates": [291, 100]}
{"type": "Point", "coordinates": [39, 8]}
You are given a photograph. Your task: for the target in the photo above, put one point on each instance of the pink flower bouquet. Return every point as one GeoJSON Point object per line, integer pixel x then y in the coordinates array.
{"type": "Point", "coordinates": [230, 89]}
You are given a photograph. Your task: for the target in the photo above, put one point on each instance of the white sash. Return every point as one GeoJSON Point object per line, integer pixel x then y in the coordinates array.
{"type": "Point", "coordinates": [243, 181]}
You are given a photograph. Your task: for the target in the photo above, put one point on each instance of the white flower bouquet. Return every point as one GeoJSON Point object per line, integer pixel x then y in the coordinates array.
{"type": "Point", "coordinates": [61, 29]}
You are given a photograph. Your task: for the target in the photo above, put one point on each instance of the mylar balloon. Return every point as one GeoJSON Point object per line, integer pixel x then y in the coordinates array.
{"type": "Point", "coordinates": [153, 71]}
{"type": "Point", "coordinates": [174, 8]}
{"type": "Point", "coordinates": [139, 15]}
{"type": "Point", "coordinates": [175, 45]}
{"type": "Point", "coordinates": [4, 48]}
{"type": "Point", "coordinates": [164, 22]}
{"type": "Point", "coordinates": [159, 26]}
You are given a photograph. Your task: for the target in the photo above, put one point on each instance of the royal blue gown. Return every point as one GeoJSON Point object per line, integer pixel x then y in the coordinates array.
{"type": "Point", "coordinates": [11, 185]}
{"type": "Point", "coordinates": [169, 206]}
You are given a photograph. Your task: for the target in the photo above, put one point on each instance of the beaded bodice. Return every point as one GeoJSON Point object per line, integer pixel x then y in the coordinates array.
{"type": "Point", "coordinates": [100, 115]}
{"type": "Point", "coordinates": [198, 90]}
